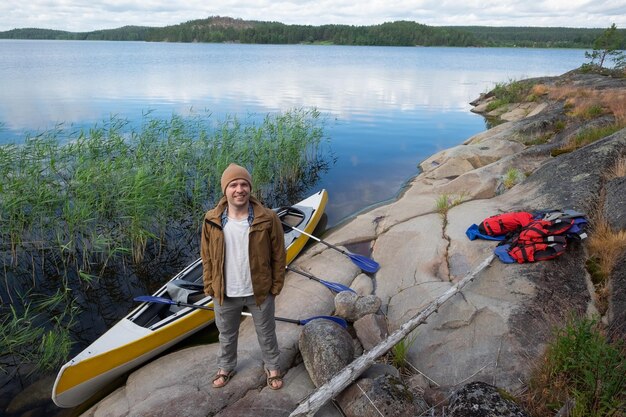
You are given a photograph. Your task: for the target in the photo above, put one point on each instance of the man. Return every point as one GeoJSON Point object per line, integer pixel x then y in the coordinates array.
{"type": "Point", "coordinates": [243, 260]}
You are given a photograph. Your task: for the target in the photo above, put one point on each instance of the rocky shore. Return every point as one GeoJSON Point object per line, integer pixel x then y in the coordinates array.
{"type": "Point", "coordinates": [485, 339]}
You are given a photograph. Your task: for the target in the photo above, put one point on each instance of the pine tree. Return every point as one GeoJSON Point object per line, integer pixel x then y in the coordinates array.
{"type": "Point", "coordinates": [606, 46]}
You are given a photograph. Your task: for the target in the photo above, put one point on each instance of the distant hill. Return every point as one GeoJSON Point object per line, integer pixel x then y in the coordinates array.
{"type": "Point", "coordinates": [221, 29]}
{"type": "Point", "coordinates": [541, 37]}
{"type": "Point", "coordinates": [126, 33]}
{"type": "Point", "coordinates": [34, 33]}
{"type": "Point", "coordinates": [401, 33]}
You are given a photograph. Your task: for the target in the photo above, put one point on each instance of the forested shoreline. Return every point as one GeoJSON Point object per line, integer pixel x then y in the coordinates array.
{"type": "Point", "coordinates": [401, 33]}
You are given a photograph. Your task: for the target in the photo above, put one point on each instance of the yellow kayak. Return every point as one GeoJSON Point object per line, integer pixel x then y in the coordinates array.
{"type": "Point", "coordinates": [151, 328]}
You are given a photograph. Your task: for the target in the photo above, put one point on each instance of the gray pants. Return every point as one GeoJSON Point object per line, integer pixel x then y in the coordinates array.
{"type": "Point", "coordinates": [228, 318]}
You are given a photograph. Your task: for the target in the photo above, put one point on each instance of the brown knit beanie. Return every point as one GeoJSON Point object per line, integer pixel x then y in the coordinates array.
{"type": "Point", "coordinates": [235, 172]}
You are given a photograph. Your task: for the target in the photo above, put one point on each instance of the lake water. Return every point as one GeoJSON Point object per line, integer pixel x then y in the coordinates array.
{"type": "Point", "coordinates": [388, 108]}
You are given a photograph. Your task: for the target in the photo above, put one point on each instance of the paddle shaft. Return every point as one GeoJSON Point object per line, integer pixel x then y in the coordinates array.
{"type": "Point", "coordinates": [330, 245]}
{"type": "Point", "coordinates": [298, 271]}
{"type": "Point", "coordinates": [243, 313]}
{"type": "Point", "coordinates": [333, 286]}
{"type": "Point", "coordinates": [363, 262]}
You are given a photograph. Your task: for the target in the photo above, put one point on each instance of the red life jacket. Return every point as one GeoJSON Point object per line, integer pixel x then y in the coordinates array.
{"type": "Point", "coordinates": [504, 223]}
{"type": "Point", "coordinates": [536, 252]}
{"type": "Point", "coordinates": [540, 240]}
{"type": "Point", "coordinates": [545, 231]}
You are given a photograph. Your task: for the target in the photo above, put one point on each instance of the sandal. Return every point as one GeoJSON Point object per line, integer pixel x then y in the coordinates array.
{"type": "Point", "coordinates": [223, 376]}
{"type": "Point", "coordinates": [271, 380]}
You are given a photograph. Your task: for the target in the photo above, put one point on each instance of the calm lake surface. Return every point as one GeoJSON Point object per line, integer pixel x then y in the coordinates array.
{"type": "Point", "coordinates": [388, 108]}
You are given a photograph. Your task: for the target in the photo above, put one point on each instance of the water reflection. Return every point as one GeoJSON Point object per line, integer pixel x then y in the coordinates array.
{"type": "Point", "coordinates": [44, 82]}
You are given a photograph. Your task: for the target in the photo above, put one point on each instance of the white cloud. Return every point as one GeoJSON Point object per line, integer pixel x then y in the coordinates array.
{"type": "Point", "coordinates": [83, 15]}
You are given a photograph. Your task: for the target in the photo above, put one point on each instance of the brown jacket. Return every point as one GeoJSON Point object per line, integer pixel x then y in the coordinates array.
{"type": "Point", "coordinates": [266, 252]}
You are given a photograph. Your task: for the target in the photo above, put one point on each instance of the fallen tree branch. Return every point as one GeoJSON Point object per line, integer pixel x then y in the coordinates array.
{"type": "Point", "coordinates": [351, 372]}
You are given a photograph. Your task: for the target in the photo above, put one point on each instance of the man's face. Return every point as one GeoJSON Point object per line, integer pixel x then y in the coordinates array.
{"type": "Point", "coordinates": [238, 193]}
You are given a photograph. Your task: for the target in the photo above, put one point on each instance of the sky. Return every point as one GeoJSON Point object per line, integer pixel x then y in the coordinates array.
{"type": "Point", "coordinates": [88, 15]}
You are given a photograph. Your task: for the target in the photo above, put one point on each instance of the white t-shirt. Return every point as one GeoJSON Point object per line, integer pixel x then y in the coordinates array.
{"type": "Point", "coordinates": [237, 268]}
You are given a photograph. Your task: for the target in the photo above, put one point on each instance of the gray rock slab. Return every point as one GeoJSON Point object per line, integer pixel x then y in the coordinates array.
{"type": "Point", "coordinates": [449, 169]}
{"type": "Point", "coordinates": [329, 265]}
{"type": "Point", "coordinates": [371, 330]}
{"type": "Point", "coordinates": [464, 158]}
{"type": "Point", "coordinates": [412, 258]}
{"type": "Point", "coordinates": [412, 204]}
{"type": "Point", "coordinates": [573, 180]}
{"type": "Point", "coordinates": [363, 285]}
{"type": "Point", "coordinates": [520, 111]}
{"type": "Point", "coordinates": [501, 131]}
{"type": "Point", "coordinates": [265, 402]}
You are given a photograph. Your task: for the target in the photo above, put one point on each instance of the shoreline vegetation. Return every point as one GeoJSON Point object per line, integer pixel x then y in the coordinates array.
{"type": "Point", "coordinates": [87, 211]}
{"type": "Point", "coordinates": [218, 29]}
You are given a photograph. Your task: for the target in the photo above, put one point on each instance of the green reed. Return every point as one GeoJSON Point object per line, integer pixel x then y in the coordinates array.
{"type": "Point", "coordinates": [23, 339]}
{"type": "Point", "coordinates": [400, 353]}
{"type": "Point", "coordinates": [107, 190]}
{"type": "Point", "coordinates": [78, 201]}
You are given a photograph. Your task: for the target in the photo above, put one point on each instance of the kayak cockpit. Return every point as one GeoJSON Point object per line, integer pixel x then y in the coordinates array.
{"type": "Point", "coordinates": [186, 287]}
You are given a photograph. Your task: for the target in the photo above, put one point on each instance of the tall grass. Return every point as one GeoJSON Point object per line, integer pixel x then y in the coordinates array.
{"type": "Point", "coordinates": [586, 136]}
{"type": "Point", "coordinates": [587, 103]}
{"type": "Point", "coordinates": [108, 190]}
{"type": "Point", "coordinates": [446, 201]}
{"type": "Point", "coordinates": [619, 169]}
{"type": "Point", "coordinates": [73, 203]}
{"type": "Point", "coordinates": [605, 244]}
{"type": "Point", "coordinates": [400, 353]}
{"type": "Point", "coordinates": [28, 337]}
{"type": "Point", "coordinates": [512, 177]}
{"type": "Point", "coordinates": [510, 92]}
{"type": "Point", "coordinates": [582, 367]}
